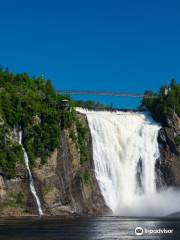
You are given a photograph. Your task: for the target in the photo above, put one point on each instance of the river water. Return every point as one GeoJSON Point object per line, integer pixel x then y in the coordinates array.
{"type": "Point", "coordinates": [92, 228]}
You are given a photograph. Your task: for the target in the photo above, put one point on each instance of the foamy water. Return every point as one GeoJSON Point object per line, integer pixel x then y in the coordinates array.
{"type": "Point", "coordinates": [125, 151]}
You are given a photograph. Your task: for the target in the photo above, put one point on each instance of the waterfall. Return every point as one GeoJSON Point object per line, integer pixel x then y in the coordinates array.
{"type": "Point", "coordinates": [31, 181]}
{"type": "Point", "coordinates": [125, 151]}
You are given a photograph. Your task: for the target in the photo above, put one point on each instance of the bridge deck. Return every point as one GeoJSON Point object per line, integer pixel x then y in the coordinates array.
{"type": "Point", "coordinates": [103, 93]}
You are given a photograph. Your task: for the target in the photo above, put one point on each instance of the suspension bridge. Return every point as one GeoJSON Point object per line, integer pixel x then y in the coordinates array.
{"type": "Point", "coordinates": [106, 93]}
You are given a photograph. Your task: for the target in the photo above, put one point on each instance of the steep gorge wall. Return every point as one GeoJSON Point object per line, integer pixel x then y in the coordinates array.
{"type": "Point", "coordinates": [169, 164]}
{"type": "Point", "coordinates": [15, 196]}
{"type": "Point", "coordinates": [64, 185]}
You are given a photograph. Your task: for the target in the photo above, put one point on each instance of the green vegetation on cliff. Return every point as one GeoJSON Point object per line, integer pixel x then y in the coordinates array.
{"type": "Point", "coordinates": [10, 152]}
{"type": "Point", "coordinates": [34, 106]}
{"type": "Point", "coordinates": [177, 140]}
{"type": "Point", "coordinates": [165, 108]}
{"type": "Point", "coordinates": [166, 103]}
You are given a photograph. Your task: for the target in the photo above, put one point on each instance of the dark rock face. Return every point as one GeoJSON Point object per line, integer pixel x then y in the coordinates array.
{"type": "Point", "coordinates": [16, 198]}
{"type": "Point", "coordinates": [60, 185]}
{"type": "Point", "coordinates": [168, 166]}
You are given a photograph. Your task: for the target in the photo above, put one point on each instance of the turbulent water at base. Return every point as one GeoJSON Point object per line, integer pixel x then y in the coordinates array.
{"type": "Point", "coordinates": [125, 151]}
{"type": "Point", "coordinates": [31, 181]}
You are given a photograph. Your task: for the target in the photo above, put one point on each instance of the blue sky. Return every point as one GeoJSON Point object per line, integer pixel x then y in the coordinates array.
{"type": "Point", "coordinates": [122, 45]}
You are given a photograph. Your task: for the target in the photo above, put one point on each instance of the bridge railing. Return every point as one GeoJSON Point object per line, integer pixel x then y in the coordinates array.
{"type": "Point", "coordinates": [104, 93]}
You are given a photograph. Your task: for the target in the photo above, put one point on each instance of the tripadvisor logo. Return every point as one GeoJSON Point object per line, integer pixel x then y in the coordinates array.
{"type": "Point", "coordinates": [139, 231]}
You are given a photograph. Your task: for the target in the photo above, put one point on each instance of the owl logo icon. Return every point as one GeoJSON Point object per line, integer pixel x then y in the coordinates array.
{"type": "Point", "coordinates": [139, 231]}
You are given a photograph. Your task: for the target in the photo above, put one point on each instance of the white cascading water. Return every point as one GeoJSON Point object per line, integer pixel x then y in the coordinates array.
{"type": "Point", "coordinates": [125, 151]}
{"type": "Point", "coordinates": [31, 181]}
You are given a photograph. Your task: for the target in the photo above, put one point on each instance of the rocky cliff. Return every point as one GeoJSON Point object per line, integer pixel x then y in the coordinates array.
{"type": "Point", "coordinates": [15, 196]}
{"type": "Point", "coordinates": [67, 186]}
{"type": "Point", "coordinates": [169, 165]}
{"type": "Point", "coordinates": [64, 184]}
